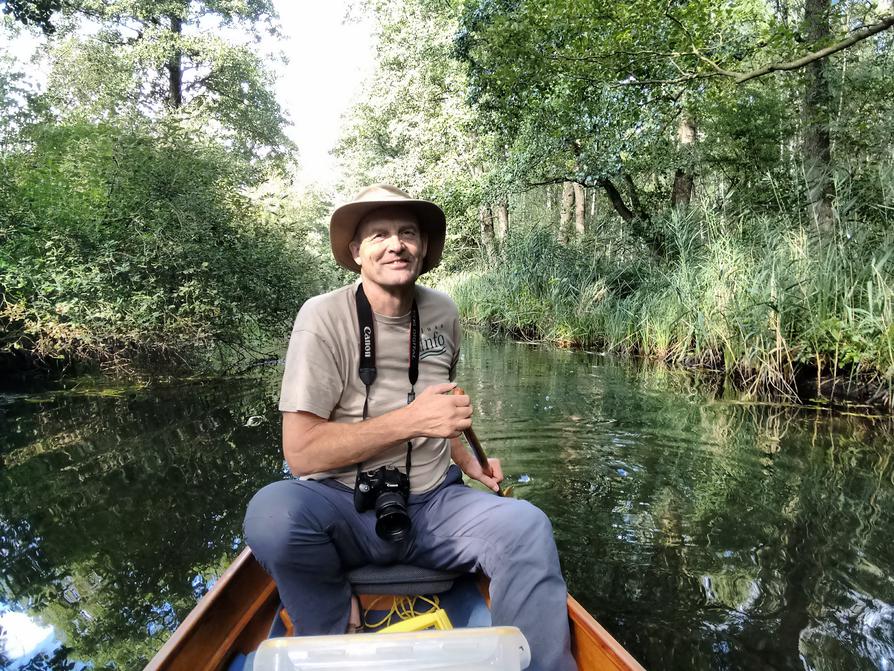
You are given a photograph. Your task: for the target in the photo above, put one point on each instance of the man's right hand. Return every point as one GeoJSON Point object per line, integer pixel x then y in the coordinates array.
{"type": "Point", "coordinates": [436, 413]}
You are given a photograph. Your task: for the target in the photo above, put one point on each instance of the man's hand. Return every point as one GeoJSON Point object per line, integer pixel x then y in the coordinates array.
{"type": "Point", "coordinates": [436, 413]}
{"type": "Point", "coordinates": [312, 444]}
{"type": "Point", "coordinates": [470, 466]}
{"type": "Point", "coordinates": [473, 469]}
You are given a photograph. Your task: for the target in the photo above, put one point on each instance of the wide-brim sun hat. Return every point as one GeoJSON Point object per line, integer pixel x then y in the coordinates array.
{"type": "Point", "coordinates": [344, 221]}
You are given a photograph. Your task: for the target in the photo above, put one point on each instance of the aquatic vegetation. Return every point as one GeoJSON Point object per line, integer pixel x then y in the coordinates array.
{"type": "Point", "coordinates": [749, 296]}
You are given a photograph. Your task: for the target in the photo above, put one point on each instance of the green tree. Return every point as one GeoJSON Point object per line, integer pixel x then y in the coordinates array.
{"type": "Point", "coordinates": [33, 12]}
{"type": "Point", "coordinates": [196, 60]}
{"type": "Point", "coordinates": [14, 93]}
{"type": "Point", "coordinates": [413, 127]}
{"type": "Point", "coordinates": [127, 233]}
{"type": "Point", "coordinates": [598, 93]}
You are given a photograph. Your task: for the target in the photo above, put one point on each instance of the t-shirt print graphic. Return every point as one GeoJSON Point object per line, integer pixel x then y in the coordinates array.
{"type": "Point", "coordinates": [432, 343]}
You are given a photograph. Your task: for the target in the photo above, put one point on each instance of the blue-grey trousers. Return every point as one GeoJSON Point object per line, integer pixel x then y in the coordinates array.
{"type": "Point", "coordinates": [307, 535]}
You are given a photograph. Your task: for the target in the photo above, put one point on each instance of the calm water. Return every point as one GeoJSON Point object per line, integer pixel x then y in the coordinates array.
{"type": "Point", "coordinates": [704, 532]}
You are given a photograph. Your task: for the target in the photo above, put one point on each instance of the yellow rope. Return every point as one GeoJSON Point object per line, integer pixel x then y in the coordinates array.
{"type": "Point", "coordinates": [402, 607]}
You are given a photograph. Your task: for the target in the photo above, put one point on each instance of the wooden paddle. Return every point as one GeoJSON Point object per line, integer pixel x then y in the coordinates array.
{"type": "Point", "coordinates": [475, 444]}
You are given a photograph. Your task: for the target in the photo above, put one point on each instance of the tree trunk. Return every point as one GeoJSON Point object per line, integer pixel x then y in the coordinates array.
{"type": "Point", "coordinates": [638, 210]}
{"type": "Point", "coordinates": [617, 201]}
{"type": "Point", "coordinates": [566, 212]}
{"type": "Point", "coordinates": [684, 180]}
{"type": "Point", "coordinates": [486, 222]}
{"type": "Point", "coordinates": [580, 209]}
{"type": "Point", "coordinates": [816, 112]}
{"type": "Point", "coordinates": [682, 190]}
{"type": "Point", "coordinates": [639, 221]}
{"type": "Point", "coordinates": [175, 67]}
{"type": "Point", "coordinates": [502, 228]}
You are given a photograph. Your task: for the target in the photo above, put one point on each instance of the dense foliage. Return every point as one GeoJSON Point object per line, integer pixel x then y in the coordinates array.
{"type": "Point", "coordinates": [127, 244]}
{"type": "Point", "coordinates": [705, 182]}
{"type": "Point", "coordinates": [752, 300]}
{"type": "Point", "coordinates": [137, 225]}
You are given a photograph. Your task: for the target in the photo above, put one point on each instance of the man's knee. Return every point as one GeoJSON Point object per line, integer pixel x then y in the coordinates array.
{"type": "Point", "coordinates": [532, 521]}
{"type": "Point", "coordinates": [276, 517]}
{"type": "Point", "coordinates": [520, 538]}
{"type": "Point", "coordinates": [519, 519]}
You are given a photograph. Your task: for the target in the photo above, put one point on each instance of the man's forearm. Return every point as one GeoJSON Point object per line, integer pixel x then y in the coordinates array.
{"type": "Point", "coordinates": [312, 447]}
{"type": "Point", "coordinates": [312, 444]}
{"type": "Point", "coordinates": [458, 453]}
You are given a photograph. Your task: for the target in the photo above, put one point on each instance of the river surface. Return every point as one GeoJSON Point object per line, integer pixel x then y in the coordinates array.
{"type": "Point", "coordinates": [704, 531]}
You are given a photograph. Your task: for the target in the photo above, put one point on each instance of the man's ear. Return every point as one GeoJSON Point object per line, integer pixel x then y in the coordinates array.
{"type": "Point", "coordinates": [355, 251]}
{"type": "Point", "coordinates": [424, 245]}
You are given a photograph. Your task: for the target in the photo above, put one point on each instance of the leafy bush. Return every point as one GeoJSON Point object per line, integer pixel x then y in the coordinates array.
{"type": "Point", "coordinates": [137, 246]}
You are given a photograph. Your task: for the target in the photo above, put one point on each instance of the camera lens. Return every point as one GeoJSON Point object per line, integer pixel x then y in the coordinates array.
{"type": "Point", "coordinates": [392, 521]}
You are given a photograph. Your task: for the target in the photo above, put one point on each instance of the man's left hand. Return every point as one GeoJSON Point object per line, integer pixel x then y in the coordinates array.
{"type": "Point", "coordinates": [473, 469]}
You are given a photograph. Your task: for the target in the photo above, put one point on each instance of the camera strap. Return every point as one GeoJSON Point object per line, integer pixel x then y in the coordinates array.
{"type": "Point", "coordinates": [368, 355]}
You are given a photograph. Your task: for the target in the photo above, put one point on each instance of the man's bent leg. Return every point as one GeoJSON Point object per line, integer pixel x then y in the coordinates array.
{"type": "Point", "coordinates": [307, 535]}
{"type": "Point", "coordinates": [511, 541]}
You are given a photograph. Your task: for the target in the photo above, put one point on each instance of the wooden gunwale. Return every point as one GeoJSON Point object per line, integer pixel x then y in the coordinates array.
{"type": "Point", "coordinates": [234, 616]}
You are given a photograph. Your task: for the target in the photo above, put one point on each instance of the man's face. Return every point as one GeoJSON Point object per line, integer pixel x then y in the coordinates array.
{"type": "Point", "coordinates": [389, 247]}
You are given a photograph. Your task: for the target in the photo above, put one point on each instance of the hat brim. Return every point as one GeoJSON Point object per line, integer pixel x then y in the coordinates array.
{"type": "Point", "coordinates": [345, 219]}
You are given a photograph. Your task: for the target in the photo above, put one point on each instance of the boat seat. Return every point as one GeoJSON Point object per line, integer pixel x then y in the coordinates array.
{"type": "Point", "coordinates": [458, 593]}
{"type": "Point", "coordinates": [400, 579]}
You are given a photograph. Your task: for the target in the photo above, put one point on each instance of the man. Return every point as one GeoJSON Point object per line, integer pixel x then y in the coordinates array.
{"type": "Point", "coordinates": [367, 389]}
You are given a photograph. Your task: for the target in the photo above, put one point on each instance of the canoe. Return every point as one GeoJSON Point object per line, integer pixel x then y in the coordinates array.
{"type": "Point", "coordinates": [234, 617]}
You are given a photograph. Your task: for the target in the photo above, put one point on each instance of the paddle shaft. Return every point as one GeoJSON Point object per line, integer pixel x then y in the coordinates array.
{"type": "Point", "coordinates": [475, 444]}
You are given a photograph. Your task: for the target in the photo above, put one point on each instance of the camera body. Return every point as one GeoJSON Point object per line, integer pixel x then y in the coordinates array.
{"type": "Point", "coordinates": [386, 491]}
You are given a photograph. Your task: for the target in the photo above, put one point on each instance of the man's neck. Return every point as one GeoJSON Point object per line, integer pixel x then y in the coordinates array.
{"type": "Point", "coordinates": [390, 301]}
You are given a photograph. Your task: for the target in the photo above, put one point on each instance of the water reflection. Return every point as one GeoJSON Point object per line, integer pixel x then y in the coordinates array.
{"type": "Point", "coordinates": [119, 510]}
{"type": "Point", "coordinates": [704, 531]}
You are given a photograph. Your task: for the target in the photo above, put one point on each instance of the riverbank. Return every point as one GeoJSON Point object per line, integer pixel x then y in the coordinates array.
{"type": "Point", "coordinates": [755, 301]}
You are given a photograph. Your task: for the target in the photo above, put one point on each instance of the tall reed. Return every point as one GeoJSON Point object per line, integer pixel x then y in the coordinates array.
{"type": "Point", "coordinates": [751, 295]}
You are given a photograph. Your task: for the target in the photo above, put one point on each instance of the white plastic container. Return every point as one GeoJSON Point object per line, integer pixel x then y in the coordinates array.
{"type": "Point", "coordinates": [473, 649]}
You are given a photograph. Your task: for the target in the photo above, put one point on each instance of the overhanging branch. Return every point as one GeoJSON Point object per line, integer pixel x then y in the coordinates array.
{"type": "Point", "coordinates": [886, 22]}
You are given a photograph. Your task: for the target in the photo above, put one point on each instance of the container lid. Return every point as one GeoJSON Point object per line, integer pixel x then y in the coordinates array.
{"type": "Point", "coordinates": [472, 649]}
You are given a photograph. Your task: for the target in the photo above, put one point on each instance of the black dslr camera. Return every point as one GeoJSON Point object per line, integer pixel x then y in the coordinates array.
{"type": "Point", "coordinates": [386, 490]}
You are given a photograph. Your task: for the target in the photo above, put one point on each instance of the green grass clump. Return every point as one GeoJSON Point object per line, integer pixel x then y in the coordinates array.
{"type": "Point", "coordinates": [755, 297]}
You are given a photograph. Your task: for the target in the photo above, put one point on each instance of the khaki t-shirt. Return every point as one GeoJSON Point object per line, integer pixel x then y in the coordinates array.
{"type": "Point", "coordinates": [322, 377]}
